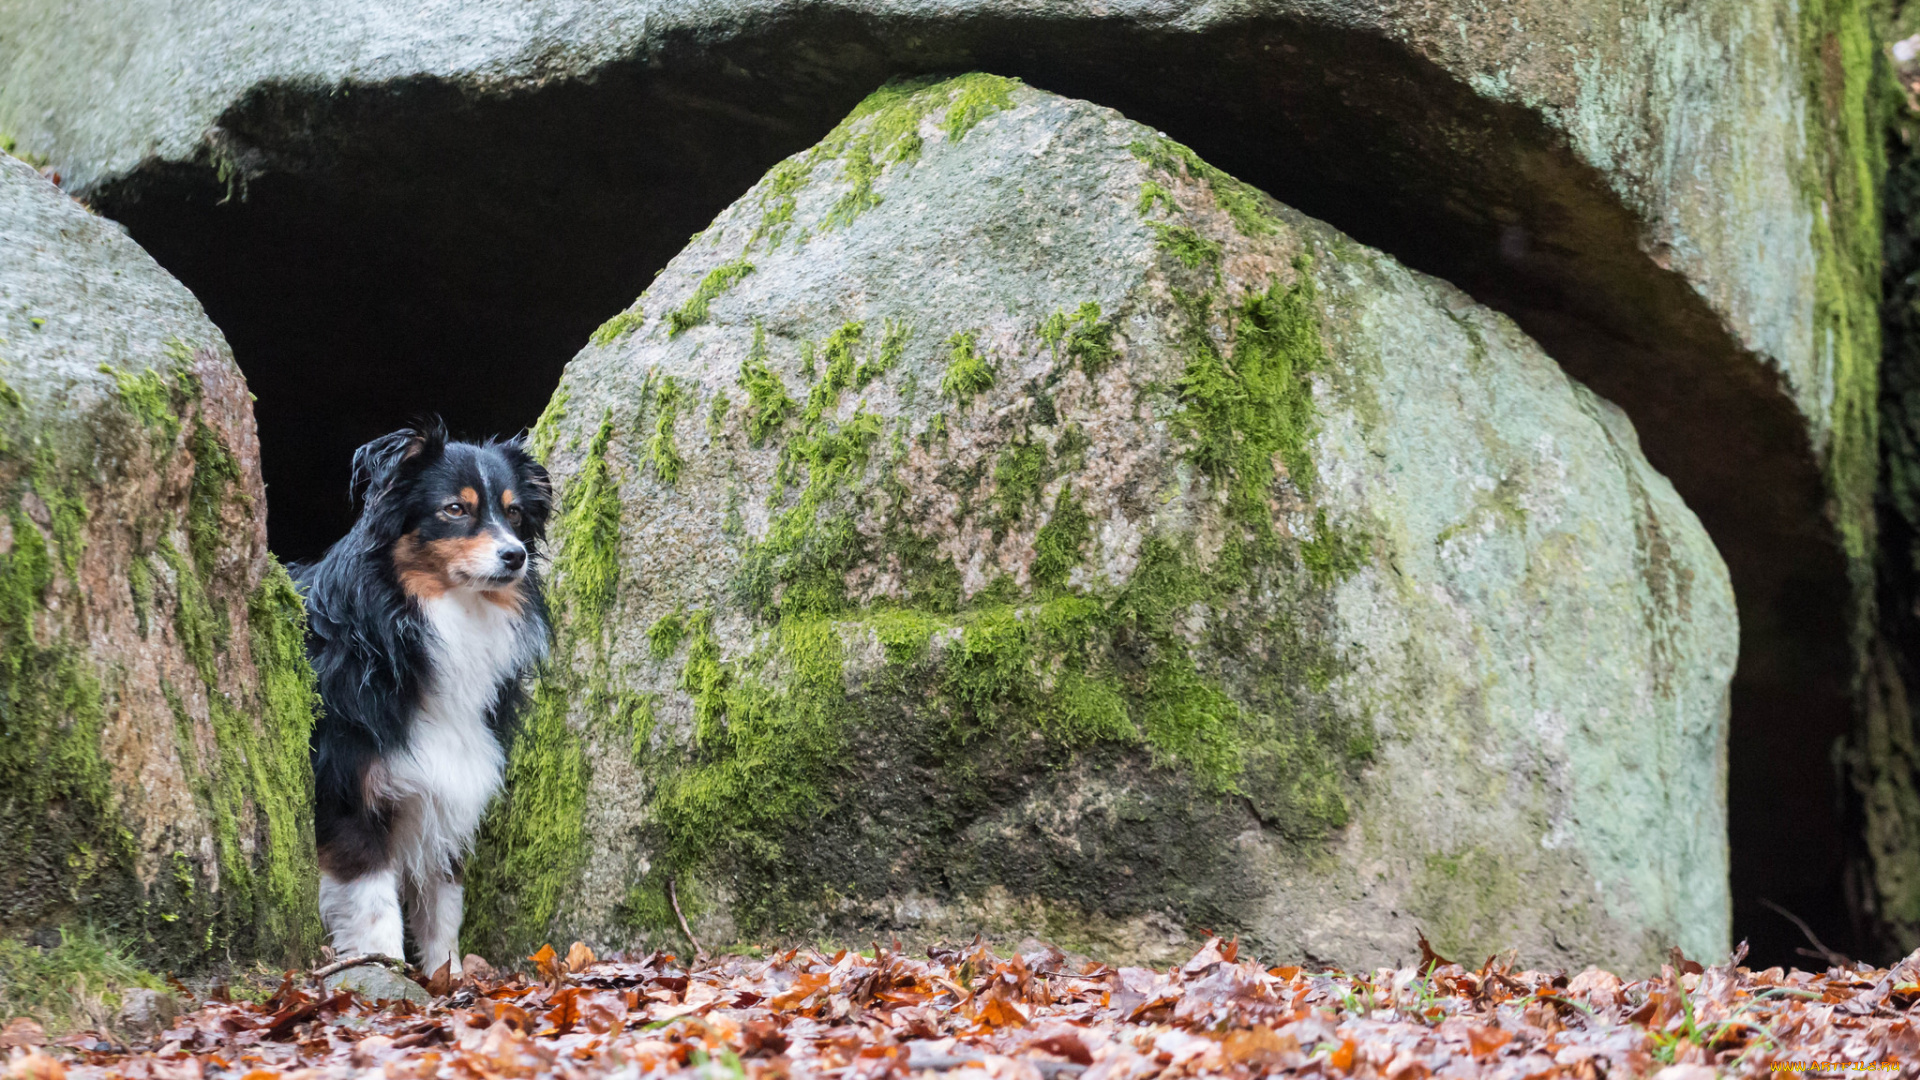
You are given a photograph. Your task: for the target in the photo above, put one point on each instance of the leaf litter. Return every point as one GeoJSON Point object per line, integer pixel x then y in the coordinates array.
{"type": "Point", "coordinates": [970, 1014]}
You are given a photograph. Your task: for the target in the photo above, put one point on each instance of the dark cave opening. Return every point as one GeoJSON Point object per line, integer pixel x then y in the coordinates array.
{"type": "Point", "coordinates": [415, 247]}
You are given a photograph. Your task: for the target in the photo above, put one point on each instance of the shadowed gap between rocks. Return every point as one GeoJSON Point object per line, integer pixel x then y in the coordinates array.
{"type": "Point", "coordinates": [378, 251]}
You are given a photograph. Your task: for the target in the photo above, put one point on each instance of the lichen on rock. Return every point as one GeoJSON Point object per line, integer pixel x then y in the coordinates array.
{"type": "Point", "coordinates": [1103, 545]}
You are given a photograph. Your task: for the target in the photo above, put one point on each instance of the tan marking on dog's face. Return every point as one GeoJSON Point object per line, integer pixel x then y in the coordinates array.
{"type": "Point", "coordinates": [428, 568]}
{"type": "Point", "coordinates": [470, 497]}
{"type": "Point", "coordinates": [506, 498]}
{"type": "Point", "coordinates": [421, 575]}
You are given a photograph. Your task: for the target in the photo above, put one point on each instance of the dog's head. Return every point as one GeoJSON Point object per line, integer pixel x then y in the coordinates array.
{"type": "Point", "coordinates": [451, 515]}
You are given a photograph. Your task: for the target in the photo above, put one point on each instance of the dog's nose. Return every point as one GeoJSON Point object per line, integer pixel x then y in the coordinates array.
{"type": "Point", "coordinates": [513, 558]}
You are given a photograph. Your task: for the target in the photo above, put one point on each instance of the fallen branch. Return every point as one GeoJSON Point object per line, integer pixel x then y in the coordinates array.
{"type": "Point", "coordinates": [339, 966]}
{"type": "Point", "coordinates": [699, 954]}
{"type": "Point", "coordinates": [1819, 950]}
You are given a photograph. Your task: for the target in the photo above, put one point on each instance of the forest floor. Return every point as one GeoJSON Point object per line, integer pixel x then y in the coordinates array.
{"type": "Point", "coordinates": [969, 1014]}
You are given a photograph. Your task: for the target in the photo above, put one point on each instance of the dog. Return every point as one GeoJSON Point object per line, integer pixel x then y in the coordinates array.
{"type": "Point", "coordinates": [423, 623]}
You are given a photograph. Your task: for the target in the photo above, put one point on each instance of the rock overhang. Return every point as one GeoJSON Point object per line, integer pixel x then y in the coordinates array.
{"type": "Point", "coordinates": [1567, 163]}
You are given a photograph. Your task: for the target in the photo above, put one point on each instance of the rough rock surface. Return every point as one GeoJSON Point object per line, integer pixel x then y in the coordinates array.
{"type": "Point", "coordinates": [154, 693]}
{"type": "Point", "coordinates": [1677, 198]}
{"type": "Point", "coordinates": [1001, 519]}
{"type": "Point", "coordinates": [145, 1013]}
{"type": "Point", "coordinates": [375, 982]}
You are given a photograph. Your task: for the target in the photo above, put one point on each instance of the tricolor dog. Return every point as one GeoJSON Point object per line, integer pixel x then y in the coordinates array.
{"type": "Point", "coordinates": [422, 624]}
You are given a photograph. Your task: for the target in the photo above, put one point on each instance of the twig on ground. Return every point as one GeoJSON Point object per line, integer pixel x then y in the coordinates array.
{"type": "Point", "coordinates": [673, 895]}
{"type": "Point", "coordinates": [355, 961]}
{"type": "Point", "coordinates": [1820, 950]}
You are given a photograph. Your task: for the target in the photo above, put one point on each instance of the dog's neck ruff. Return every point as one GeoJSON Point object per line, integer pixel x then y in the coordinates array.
{"type": "Point", "coordinates": [453, 763]}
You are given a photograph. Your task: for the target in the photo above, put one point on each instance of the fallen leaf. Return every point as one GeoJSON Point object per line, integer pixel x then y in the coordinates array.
{"type": "Point", "coordinates": [1483, 1042]}
{"type": "Point", "coordinates": [1429, 959]}
{"type": "Point", "coordinates": [35, 1065]}
{"type": "Point", "coordinates": [579, 957]}
{"type": "Point", "coordinates": [544, 962]}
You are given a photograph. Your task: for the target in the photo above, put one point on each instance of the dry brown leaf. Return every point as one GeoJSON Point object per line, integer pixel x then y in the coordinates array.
{"type": "Point", "coordinates": [36, 1064]}
{"type": "Point", "coordinates": [579, 957]}
{"type": "Point", "coordinates": [1482, 1042]}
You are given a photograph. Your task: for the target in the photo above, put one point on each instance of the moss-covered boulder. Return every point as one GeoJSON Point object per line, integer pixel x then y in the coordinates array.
{"type": "Point", "coordinates": [1000, 519]}
{"type": "Point", "coordinates": [155, 699]}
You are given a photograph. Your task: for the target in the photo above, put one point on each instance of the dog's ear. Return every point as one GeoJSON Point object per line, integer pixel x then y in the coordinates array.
{"type": "Point", "coordinates": [377, 465]}
{"type": "Point", "coordinates": [535, 498]}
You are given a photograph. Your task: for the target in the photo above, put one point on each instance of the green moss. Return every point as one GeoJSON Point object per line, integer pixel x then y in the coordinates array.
{"type": "Point", "coordinates": [1058, 546]}
{"type": "Point", "coordinates": [533, 841]}
{"type": "Point", "coordinates": [668, 394]}
{"type": "Point", "coordinates": [154, 398]}
{"type": "Point", "coordinates": [647, 908]}
{"type": "Point", "coordinates": [1087, 340]}
{"type": "Point", "coordinates": [546, 430]}
{"type": "Point", "coordinates": [717, 414]}
{"type": "Point", "coordinates": [694, 311]}
{"type": "Point", "coordinates": [764, 748]}
{"type": "Point", "coordinates": [140, 586]}
{"type": "Point", "coordinates": [71, 986]}
{"type": "Point", "coordinates": [905, 634]}
{"type": "Point", "coordinates": [1245, 204]}
{"type": "Point", "coordinates": [623, 324]}
{"type": "Point", "coordinates": [768, 405]}
{"type": "Point", "coordinates": [975, 97]}
{"type": "Point", "coordinates": [51, 718]}
{"type": "Point", "coordinates": [892, 344]}
{"type": "Point", "coordinates": [778, 198]}
{"type": "Point", "coordinates": [1848, 85]}
{"type": "Point", "coordinates": [1183, 243]}
{"type": "Point", "coordinates": [586, 573]}
{"type": "Point", "coordinates": [1333, 555]}
{"type": "Point", "coordinates": [282, 773]}
{"type": "Point", "coordinates": [636, 715]}
{"type": "Point", "coordinates": [881, 132]}
{"type": "Point", "coordinates": [824, 396]}
{"type": "Point", "coordinates": [216, 484]}
{"type": "Point", "coordinates": [800, 566]}
{"type": "Point", "coordinates": [666, 634]}
{"type": "Point", "coordinates": [1241, 415]}
{"type": "Point", "coordinates": [62, 491]}
{"type": "Point", "coordinates": [890, 135]}
{"type": "Point", "coordinates": [1188, 718]}
{"type": "Point", "coordinates": [967, 372]}
{"type": "Point", "coordinates": [1153, 195]}
{"type": "Point", "coordinates": [202, 627]}
{"type": "Point", "coordinates": [1018, 475]}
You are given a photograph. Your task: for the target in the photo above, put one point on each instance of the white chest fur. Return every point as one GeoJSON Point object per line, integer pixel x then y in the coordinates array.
{"type": "Point", "coordinates": [453, 764]}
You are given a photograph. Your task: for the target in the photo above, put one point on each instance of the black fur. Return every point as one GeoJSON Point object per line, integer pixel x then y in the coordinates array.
{"type": "Point", "coordinates": [366, 635]}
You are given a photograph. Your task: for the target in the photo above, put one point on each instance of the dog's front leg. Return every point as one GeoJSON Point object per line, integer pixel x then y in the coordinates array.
{"type": "Point", "coordinates": [362, 913]}
{"type": "Point", "coordinates": [436, 910]}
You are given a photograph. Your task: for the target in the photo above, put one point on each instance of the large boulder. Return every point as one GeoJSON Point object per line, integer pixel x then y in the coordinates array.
{"type": "Point", "coordinates": [155, 699]}
{"type": "Point", "coordinates": [1677, 198]}
{"type": "Point", "coordinates": [1000, 519]}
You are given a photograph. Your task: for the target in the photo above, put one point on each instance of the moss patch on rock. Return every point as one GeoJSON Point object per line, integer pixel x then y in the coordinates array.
{"type": "Point", "coordinates": [532, 842]}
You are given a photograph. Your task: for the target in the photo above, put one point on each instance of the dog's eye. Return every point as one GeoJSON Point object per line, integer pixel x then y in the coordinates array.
{"type": "Point", "coordinates": [454, 509]}
{"type": "Point", "coordinates": [513, 514]}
